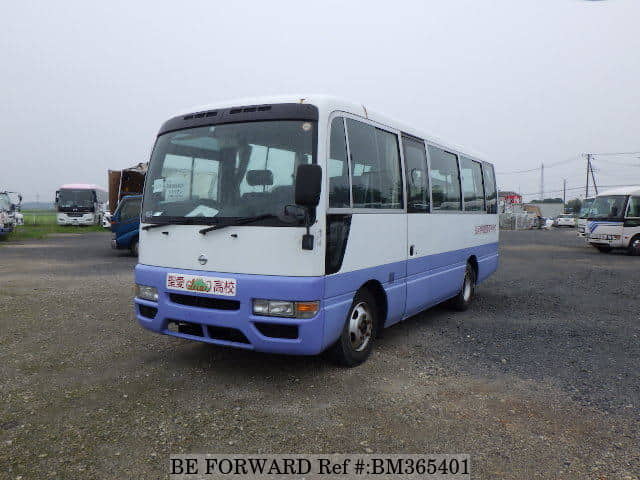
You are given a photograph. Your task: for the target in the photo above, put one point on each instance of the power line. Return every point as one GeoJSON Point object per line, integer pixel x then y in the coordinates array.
{"type": "Point", "coordinates": [615, 153]}
{"type": "Point", "coordinates": [613, 162]}
{"type": "Point", "coordinates": [577, 188]}
{"type": "Point", "coordinates": [546, 165]}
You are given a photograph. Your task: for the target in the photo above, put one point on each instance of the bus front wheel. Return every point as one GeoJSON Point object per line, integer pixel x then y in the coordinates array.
{"type": "Point", "coordinates": [634, 246]}
{"type": "Point", "coordinates": [359, 332]}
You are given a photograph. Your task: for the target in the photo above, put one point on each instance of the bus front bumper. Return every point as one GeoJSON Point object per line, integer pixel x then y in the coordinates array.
{"type": "Point", "coordinates": [229, 320]}
{"type": "Point", "coordinates": [84, 219]}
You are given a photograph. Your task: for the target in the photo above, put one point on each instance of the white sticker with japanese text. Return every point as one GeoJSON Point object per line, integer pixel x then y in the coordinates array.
{"type": "Point", "coordinates": [226, 287]}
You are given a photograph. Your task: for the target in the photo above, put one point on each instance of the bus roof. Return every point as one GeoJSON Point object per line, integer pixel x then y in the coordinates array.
{"type": "Point", "coordinates": [330, 104]}
{"type": "Point", "coordinates": [632, 190]}
{"type": "Point", "coordinates": [81, 186]}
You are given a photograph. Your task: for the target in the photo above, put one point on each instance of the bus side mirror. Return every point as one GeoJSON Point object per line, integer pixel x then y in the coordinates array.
{"type": "Point", "coordinates": [308, 185]}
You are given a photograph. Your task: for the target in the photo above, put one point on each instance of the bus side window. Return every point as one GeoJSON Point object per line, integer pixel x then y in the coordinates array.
{"type": "Point", "coordinates": [472, 187]}
{"type": "Point", "coordinates": [490, 188]}
{"type": "Point", "coordinates": [445, 180]}
{"type": "Point", "coordinates": [634, 208]}
{"type": "Point", "coordinates": [375, 167]}
{"type": "Point", "coordinates": [415, 159]}
{"type": "Point", "coordinates": [338, 167]}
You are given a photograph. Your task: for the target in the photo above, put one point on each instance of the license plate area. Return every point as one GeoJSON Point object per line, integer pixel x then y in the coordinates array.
{"type": "Point", "coordinates": [214, 286]}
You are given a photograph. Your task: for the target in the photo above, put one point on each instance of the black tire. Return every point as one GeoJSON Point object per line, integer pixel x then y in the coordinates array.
{"type": "Point", "coordinates": [347, 351]}
{"type": "Point", "coordinates": [603, 249]}
{"type": "Point", "coordinates": [464, 298]}
{"type": "Point", "coordinates": [634, 246]}
{"type": "Point", "coordinates": [134, 247]}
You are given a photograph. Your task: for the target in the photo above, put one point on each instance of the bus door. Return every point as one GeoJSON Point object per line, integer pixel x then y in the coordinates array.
{"type": "Point", "coordinates": [418, 208]}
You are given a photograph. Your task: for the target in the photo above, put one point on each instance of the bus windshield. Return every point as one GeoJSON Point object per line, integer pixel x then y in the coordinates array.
{"type": "Point", "coordinates": [76, 200]}
{"type": "Point", "coordinates": [5, 202]}
{"type": "Point", "coordinates": [586, 206]}
{"type": "Point", "coordinates": [226, 172]}
{"type": "Point", "coordinates": [611, 206]}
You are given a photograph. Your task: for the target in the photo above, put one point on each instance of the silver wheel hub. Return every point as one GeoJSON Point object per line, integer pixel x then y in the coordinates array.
{"type": "Point", "coordinates": [636, 244]}
{"type": "Point", "coordinates": [466, 292]}
{"type": "Point", "coordinates": [360, 327]}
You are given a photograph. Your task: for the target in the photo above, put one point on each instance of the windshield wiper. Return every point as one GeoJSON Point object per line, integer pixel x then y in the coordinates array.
{"type": "Point", "coordinates": [155, 225]}
{"type": "Point", "coordinates": [243, 221]}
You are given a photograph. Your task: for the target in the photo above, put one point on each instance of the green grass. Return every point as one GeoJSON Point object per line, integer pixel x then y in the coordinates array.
{"type": "Point", "coordinates": [40, 223]}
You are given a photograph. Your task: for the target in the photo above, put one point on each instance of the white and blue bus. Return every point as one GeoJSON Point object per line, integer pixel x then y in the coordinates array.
{"type": "Point", "coordinates": [302, 225]}
{"type": "Point", "coordinates": [614, 221]}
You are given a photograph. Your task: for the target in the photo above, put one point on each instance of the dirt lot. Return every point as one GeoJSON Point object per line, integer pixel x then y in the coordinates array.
{"type": "Point", "coordinates": [539, 379]}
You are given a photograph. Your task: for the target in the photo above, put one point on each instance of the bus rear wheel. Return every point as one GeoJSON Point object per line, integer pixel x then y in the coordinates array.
{"type": "Point", "coordinates": [358, 333]}
{"type": "Point", "coordinates": [134, 248]}
{"type": "Point", "coordinates": [462, 301]}
{"type": "Point", "coordinates": [634, 246]}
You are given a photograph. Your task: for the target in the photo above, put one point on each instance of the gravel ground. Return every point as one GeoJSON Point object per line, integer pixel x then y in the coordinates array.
{"type": "Point", "coordinates": [539, 379]}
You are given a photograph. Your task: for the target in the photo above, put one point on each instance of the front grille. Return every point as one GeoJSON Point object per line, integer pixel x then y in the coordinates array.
{"type": "Point", "coordinates": [227, 334]}
{"type": "Point", "coordinates": [147, 311]}
{"type": "Point", "coordinates": [74, 214]}
{"type": "Point", "coordinates": [187, 328]}
{"type": "Point", "coordinates": [277, 330]}
{"type": "Point", "coordinates": [204, 302]}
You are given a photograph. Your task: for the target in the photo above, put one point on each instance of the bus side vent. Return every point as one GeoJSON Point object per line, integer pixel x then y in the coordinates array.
{"type": "Point", "coordinates": [261, 108]}
{"type": "Point", "coordinates": [227, 334]}
{"type": "Point", "coordinates": [147, 311]}
{"type": "Point", "coordinates": [277, 330]}
{"type": "Point", "coordinates": [187, 328]}
{"type": "Point", "coordinates": [191, 116]}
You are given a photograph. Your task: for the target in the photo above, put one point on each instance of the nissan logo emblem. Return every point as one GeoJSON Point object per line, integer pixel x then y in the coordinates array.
{"type": "Point", "coordinates": [202, 259]}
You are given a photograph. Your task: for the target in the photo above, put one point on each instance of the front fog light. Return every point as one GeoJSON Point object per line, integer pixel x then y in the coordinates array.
{"type": "Point", "coordinates": [146, 293]}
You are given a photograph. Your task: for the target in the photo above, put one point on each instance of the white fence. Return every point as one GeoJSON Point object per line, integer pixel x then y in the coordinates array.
{"type": "Point", "coordinates": [517, 221]}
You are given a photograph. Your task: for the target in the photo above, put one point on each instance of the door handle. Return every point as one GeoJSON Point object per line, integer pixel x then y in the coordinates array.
{"type": "Point", "coordinates": [412, 250]}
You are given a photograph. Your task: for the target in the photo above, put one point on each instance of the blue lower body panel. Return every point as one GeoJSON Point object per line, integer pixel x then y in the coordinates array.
{"type": "Point", "coordinates": [227, 323]}
{"type": "Point", "coordinates": [409, 287]}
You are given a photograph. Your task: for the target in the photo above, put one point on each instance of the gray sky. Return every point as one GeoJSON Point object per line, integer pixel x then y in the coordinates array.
{"type": "Point", "coordinates": [85, 85]}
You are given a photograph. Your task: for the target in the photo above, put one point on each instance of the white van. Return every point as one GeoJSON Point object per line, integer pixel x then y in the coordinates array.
{"type": "Point", "coordinates": [614, 221]}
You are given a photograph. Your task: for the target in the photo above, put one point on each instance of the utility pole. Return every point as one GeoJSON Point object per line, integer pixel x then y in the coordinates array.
{"type": "Point", "coordinates": [564, 191]}
{"type": "Point", "coordinates": [593, 177]}
{"type": "Point", "coordinates": [586, 188]}
{"type": "Point", "coordinates": [541, 181]}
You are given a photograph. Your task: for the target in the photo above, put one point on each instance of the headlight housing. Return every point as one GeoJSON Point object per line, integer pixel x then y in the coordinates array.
{"type": "Point", "coordinates": [283, 308]}
{"type": "Point", "coordinates": [145, 292]}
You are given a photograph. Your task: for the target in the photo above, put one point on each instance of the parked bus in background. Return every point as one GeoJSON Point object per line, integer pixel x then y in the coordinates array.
{"type": "Point", "coordinates": [125, 223]}
{"type": "Point", "coordinates": [7, 221]}
{"type": "Point", "coordinates": [614, 221]}
{"type": "Point", "coordinates": [80, 204]}
{"type": "Point", "coordinates": [583, 215]}
{"type": "Point", "coordinates": [302, 225]}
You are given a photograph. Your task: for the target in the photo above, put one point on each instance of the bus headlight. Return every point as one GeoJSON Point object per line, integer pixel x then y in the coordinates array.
{"type": "Point", "coordinates": [281, 308]}
{"type": "Point", "coordinates": [146, 293]}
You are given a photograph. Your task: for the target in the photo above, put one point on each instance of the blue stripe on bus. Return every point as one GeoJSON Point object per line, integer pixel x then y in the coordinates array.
{"type": "Point", "coordinates": [432, 279]}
